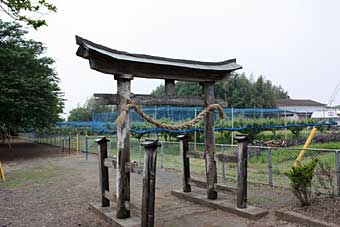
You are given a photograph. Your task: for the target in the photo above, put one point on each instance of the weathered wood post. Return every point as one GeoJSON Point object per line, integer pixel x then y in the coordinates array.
{"type": "Point", "coordinates": [169, 87]}
{"type": "Point", "coordinates": [242, 165]}
{"type": "Point", "coordinates": [184, 148]}
{"type": "Point", "coordinates": [211, 174]}
{"type": "Point", "coordinates": [103, 170]}
{"type": "Point", "coordinates": [123, 147]}
{"type": "Point", "coordinates": [149, 182]}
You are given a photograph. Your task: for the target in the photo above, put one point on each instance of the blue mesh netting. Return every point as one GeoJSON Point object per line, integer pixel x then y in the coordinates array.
{"type": "Point", "coordinates": [105, 122]}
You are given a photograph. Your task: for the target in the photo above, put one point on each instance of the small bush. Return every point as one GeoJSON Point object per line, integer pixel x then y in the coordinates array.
{"type": "Point", "coordinates": [301, 177]}
{"type": "Point", "coordinates": [324, 178]}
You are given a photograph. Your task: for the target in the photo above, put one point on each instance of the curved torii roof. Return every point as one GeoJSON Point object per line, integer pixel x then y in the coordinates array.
{"type": "Point", "coordinates": [112, 61]}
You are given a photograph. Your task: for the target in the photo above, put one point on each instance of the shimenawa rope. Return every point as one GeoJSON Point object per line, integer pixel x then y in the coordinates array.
{"type": "Point", "coordinates": [184, 125]}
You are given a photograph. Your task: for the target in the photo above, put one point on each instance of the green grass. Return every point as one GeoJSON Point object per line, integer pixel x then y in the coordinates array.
{"type": "Point", "coordinates": [30, 177]}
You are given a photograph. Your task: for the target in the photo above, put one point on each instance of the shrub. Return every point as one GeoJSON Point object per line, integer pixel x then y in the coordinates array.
{"type": "Point", "coordinates": [301, 177]}
{"type": "Point", "coordinates": [324, 178]}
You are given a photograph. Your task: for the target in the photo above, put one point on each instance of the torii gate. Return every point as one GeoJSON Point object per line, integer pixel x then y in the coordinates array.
{"type": "Point", "coordinates": [125, 66]}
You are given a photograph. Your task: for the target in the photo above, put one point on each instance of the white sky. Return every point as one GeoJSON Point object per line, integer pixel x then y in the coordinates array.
{"type": "Point", "coordinates": [293, 43]}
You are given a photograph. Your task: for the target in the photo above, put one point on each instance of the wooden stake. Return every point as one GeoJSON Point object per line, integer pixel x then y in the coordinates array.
{"type": "Point", "coordinates": [103, 170]}
{"type": "Point", "coordinates": [184, 147]}
{"type": "Point", "coordinates": [149, 182]}
{"type": "Point", "coordinates": [242, 165]}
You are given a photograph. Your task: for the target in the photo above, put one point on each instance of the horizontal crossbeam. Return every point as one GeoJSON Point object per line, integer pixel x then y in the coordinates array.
{"type": "Point", "coordinates": [113, 99]}
{"type": "Point", "coordinates": [219, 157]}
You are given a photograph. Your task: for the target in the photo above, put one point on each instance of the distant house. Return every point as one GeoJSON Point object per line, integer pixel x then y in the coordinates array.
{"type": "Point", "coordinates": [327, 115]}
{"type": "Point", "coordinates": [299, 108]}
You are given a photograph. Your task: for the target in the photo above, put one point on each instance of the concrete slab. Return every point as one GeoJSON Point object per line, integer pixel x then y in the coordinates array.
{"type": "Point", "coordinates": [295, 217]}
{"type": "Point", "coordinates": [109, 214]}
{"type": "Point", "coordinates": [250, 212]}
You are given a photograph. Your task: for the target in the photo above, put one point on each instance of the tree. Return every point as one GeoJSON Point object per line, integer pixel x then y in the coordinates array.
{"type": "Point", "coordinates": [30, 96]}
{"type": "Point", "coordinates": [20, 9]}
{"type": "Point", "coordinates": [85, 112]}
{"type": "Point", "coordinates": [239, 91]}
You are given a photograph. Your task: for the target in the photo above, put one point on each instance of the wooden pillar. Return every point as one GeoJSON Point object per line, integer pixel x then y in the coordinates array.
{"type": "Point", "coordinates": [211, 174]}
{"type": "Point", "coordinates": [242, 165]}
{"type": "Point", "coordinates": [149, 183]}
{"type": "Point", "coordinates": [184, 148]}
{"type": "Point", "coordinates": [103, 170]}
{"type": "Point", "coordinates": [170, 87]}
{"type": "Point", "coordinates": [123, 148]}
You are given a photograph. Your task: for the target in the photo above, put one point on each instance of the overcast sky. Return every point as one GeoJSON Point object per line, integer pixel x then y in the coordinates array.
{"type": "Point", "coordinates": [292, 43]}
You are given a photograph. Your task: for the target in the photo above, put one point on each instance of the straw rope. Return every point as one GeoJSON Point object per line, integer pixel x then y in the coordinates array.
{"type": "Point", "coordinates": [183, 125]}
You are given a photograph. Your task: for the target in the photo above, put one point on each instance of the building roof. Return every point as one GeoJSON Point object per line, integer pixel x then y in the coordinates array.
{"type": "Point", "coordinates": [113, 61]}
{"type": "Point", "coordinates": [298, 102]}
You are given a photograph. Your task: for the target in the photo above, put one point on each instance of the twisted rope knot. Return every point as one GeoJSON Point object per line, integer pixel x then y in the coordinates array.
{"type": "Point", "coordinates": [180, 126]}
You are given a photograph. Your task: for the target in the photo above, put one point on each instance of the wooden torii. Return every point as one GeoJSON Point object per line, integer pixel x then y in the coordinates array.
{"type": "Point", "coordinates": [125, 66]}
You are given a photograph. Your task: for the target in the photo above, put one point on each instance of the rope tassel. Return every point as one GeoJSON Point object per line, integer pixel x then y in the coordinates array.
{"type": "Point", "coordinates": [184, 125]}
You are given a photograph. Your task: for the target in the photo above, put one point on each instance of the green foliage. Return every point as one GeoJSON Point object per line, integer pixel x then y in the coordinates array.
{"type": "Point", "coordinates": [30, 95]}
{"type": "Point", "coordinates": [324, 177]}
{"type": "Point", "coordinates": [19, 9]}
{"type": "Point", "coordinates": [301, 177]}
{"type": "Point", "coordinates": [239, 91]}
{"type": "Point", "coordinates": [85, 112]}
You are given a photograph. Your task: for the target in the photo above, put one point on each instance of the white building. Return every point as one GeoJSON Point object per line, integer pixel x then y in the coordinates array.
{"type": "Point", "coordinates": [327, 115]}
{"type": "Point", "coordinates": [299, 108]}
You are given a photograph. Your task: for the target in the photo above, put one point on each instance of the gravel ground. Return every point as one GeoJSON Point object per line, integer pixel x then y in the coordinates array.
{"type": "Point", "coordinates": [45, 187]}
{"type": "Point", "coordinates": [327, 209]}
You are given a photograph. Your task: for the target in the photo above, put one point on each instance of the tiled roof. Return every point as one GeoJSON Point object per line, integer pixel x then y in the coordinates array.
{"type": "Point", "coordinates": [298, 102]}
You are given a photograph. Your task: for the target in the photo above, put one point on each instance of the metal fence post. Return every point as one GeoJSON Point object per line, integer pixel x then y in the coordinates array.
{"type": "Point", "coordinates": [86, 148]}
{"type": "Point", "coordinates": [270, 168]}
{"type": "Point", "coordinates": [223, 163]}
{"type": "Point", "coordinates": [337, 159]}
{"type": "Point", "coordinates": [69, 146]}
{"type": "Point", "coordinates": [162, 154]}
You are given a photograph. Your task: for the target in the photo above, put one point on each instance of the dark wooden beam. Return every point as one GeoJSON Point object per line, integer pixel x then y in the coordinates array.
{"type": "Point", "coordinates": [113, 99]}
{"type": "Point", "coordinates": [107, 65]}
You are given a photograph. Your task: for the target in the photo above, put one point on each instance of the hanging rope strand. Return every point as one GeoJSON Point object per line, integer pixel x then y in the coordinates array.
{"type": "Point", "coordinates": [184, 125]}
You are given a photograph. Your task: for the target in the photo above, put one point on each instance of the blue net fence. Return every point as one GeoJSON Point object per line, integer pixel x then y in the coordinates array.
{"type": "Point", "coordinates": [105, 122]}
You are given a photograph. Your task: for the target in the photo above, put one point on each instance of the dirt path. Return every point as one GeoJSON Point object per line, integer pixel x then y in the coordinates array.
{"type": "Point", "coordinates": [45, 187]}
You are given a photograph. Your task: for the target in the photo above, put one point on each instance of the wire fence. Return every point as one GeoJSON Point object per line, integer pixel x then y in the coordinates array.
{"type": "Point", "coordinates": [266, 165]}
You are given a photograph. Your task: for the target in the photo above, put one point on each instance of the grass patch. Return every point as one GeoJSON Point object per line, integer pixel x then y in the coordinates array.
{"type": "Point", "coordinates": [32, 177]}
